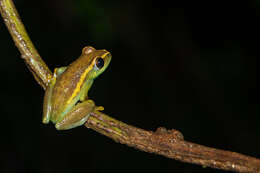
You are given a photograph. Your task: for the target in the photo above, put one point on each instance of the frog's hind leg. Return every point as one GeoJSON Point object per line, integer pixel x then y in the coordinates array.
{"type": "Point", "coordinates": [77, 116]}
{"type": "Point", "coordinates": [48, 94]}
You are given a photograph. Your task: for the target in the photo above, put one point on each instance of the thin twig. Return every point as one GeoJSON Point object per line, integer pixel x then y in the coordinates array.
{"type": "Point", "coordinates": [36, 65]}
{"type": "Point", "coordinates": [168, 143]}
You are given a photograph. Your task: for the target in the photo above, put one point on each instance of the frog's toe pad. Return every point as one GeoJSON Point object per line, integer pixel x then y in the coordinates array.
{"type": "Point", "coordinates": [99, 108]}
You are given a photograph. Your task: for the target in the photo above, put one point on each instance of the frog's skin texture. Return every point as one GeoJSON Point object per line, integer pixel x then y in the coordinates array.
{"type": "Point", "coordinates": [66, 102]}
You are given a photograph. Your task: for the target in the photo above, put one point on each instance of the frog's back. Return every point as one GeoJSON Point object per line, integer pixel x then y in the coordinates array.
{"type": "Point", "coordinates": [68, 86]}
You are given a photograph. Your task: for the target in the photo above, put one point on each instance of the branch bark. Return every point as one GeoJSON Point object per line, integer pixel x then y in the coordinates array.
{"type": "Point", "coordinates": [168, 143]}
{"type": "Point", "coordinates": [171, 144]}
{"type": "Point", "coordinates": [33, 60]}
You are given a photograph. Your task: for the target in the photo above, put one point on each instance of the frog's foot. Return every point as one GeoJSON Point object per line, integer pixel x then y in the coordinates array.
{"type": "Point", "coordinates": [59, 71]}
{"type": "Point", "coordinates": [99, 108]}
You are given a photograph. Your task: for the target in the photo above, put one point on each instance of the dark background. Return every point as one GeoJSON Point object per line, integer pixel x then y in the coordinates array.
{"type": "Point", "coordinates": [187, 65]}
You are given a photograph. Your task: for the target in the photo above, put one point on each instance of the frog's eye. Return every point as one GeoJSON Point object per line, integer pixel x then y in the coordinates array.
{"type": "Point", "coordinates": [99, 63]}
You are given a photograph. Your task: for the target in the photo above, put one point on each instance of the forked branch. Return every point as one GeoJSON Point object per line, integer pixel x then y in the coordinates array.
{"type": "Point", "coordinates": [168, 143]}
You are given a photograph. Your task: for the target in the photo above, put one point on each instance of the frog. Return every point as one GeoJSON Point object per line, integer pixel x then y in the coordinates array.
{"type": "Point", "coordinates": [66, 103]}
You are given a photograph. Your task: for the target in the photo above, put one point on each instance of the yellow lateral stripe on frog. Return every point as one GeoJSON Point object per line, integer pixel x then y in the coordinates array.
{"type": "Point", "coordinates": [81, 80]}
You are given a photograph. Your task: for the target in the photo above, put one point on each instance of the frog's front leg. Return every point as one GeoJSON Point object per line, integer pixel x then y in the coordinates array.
{"type": "Point", "coordinates": [85, 88]}
{"type": "Point", "coordinates": [78, 115]}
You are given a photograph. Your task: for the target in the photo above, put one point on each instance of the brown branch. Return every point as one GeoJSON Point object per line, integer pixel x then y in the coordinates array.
{"type": "Point", "coordinates": [168, 143]}
{"type": "Point", "coordinates": [36, 65]}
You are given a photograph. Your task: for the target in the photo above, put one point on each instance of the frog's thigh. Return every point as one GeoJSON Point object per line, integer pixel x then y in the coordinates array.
{"type": "Point", "coordinates": [47, 102]}
{"type": "Point", "coordinates": [77, 116]}
{"type": "Point", "coordinates": [48, 94]}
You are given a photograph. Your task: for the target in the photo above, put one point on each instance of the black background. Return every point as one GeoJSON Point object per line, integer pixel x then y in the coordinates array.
{"type": "Point", "coordinates": [187, 65]}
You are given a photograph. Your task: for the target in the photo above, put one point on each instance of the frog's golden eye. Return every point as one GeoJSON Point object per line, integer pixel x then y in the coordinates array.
{"type": "Point", "coordinates": [99, 63]}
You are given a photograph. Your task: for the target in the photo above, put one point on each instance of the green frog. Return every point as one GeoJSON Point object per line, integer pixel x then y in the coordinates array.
{"type": "Point", "coordinates": [66, 102]}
